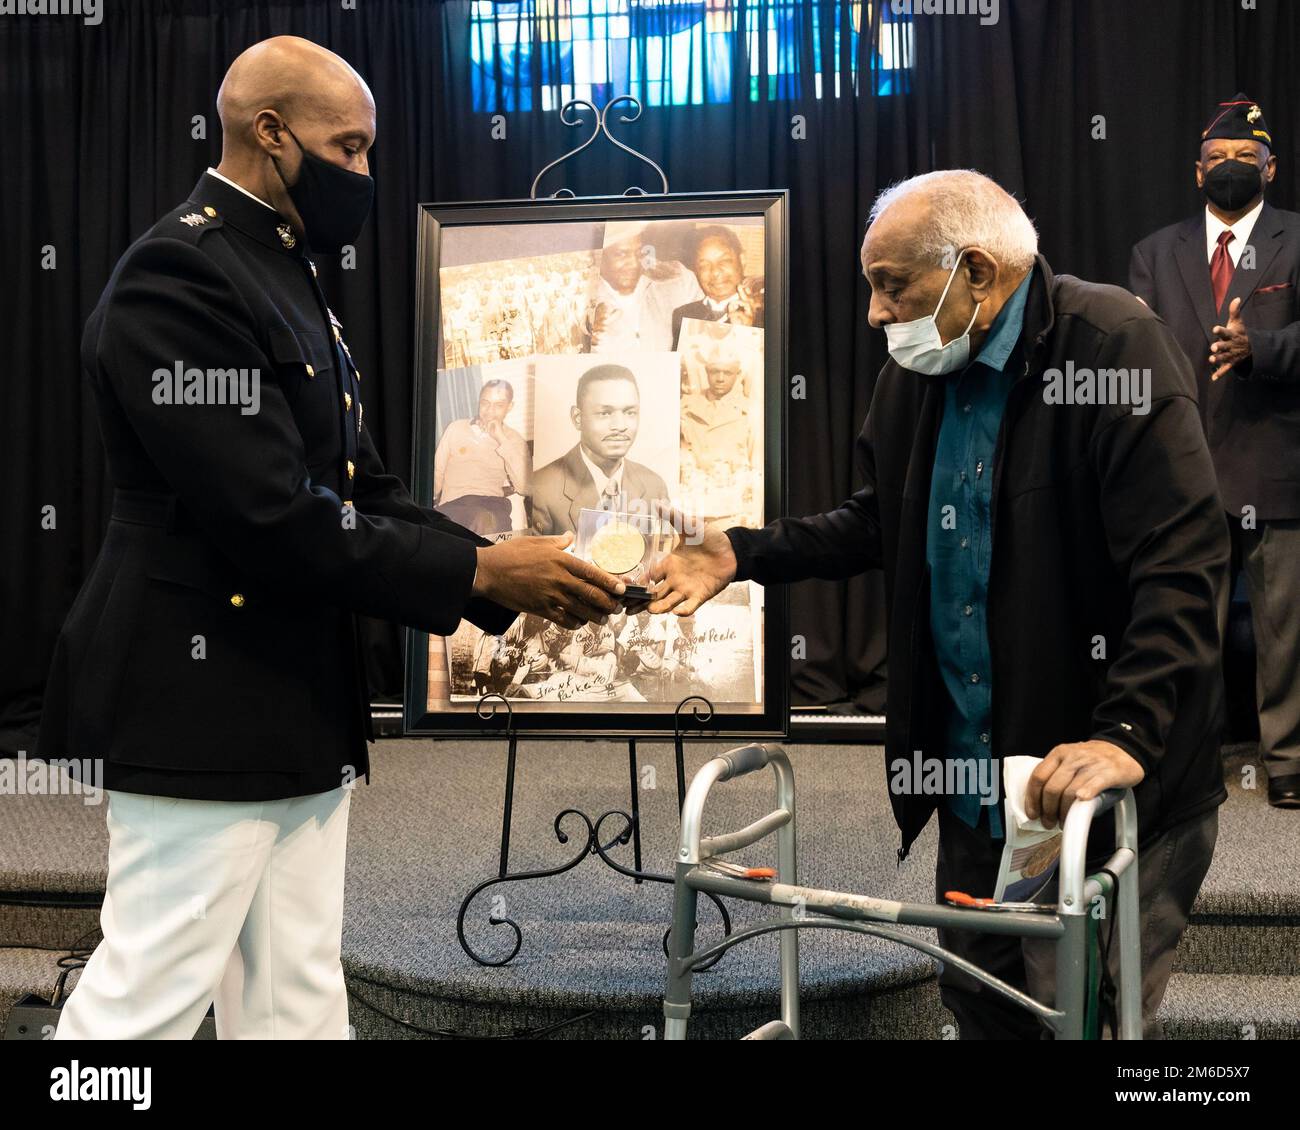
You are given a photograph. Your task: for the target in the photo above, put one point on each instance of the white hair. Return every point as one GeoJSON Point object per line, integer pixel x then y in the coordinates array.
{"type": "Point", "coordinates": [967, 209]}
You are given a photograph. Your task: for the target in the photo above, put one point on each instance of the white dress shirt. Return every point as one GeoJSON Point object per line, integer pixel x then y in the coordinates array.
{"type": "Point", "coordinates": [241, 188]}
{"type": "Point", "coordinates": [599, 477]}
{"type": "Point", "coordinates": [1214, 227]}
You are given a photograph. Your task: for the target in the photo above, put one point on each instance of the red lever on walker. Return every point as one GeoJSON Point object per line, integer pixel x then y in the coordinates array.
{"type": "Point", "coordinates": [961, 898]}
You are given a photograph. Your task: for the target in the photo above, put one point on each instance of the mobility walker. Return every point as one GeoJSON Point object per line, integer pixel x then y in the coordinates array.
{"type": "Point", "coordinates": [699, 868]}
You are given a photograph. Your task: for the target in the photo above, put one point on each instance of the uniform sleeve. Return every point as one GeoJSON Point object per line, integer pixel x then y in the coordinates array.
{"type": "Point", "coordinates": [378, 494]}
{"type": "Point", "coordinates": [242, 473]}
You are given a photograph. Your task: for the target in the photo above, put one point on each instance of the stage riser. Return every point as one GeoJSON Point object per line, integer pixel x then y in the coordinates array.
{"type": "Point", "coordinates": [910, 1013]}
{"type": "Point", "coordinates": [1243, 947]}
{"type": "Point", "coordinates": [46, 927]}
{"type": "Point", "coordinates": [1219, 1007]}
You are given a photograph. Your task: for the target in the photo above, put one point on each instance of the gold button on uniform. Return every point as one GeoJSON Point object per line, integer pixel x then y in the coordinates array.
{"type": "Point", "coordinates": [352, 469]}
{"type": "Point", "coordinates": [347, 401]}
{"type": "Point", "coordinates": [310, 371]}
{"type": "Point", "coordinates": [237, 600]}
{"type": "Point", "coordinates": [208, 210]}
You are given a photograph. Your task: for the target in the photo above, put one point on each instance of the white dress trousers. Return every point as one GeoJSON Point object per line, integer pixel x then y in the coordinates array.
{"type": "Point", "coordinates": [236, 903]}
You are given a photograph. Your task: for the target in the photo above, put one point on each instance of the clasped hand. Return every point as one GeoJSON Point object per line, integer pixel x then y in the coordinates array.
{"type": "Point", "coordinates": [1232, 346]}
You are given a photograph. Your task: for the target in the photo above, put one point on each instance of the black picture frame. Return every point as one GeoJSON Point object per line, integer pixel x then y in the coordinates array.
{"type": "Point", "coordinates": [587, 719]}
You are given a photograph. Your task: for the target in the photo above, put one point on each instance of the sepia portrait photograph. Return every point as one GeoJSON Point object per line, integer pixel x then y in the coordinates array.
{"type": "Point", "coordinates": [482, 464]}
{"type": "Point", "coordinates": [608, 435]}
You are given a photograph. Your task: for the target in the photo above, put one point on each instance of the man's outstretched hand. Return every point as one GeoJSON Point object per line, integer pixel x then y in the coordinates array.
{"type": "Point", "coordinates": [533, 574]}
{"type": "Point", "coordinates": [695, 572]}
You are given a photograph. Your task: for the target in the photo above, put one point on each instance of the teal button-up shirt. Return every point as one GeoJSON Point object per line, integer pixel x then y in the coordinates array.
{"type": "Point", "coordinates": [959, 550]}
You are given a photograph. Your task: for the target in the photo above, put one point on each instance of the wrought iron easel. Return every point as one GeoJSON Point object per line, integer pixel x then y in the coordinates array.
{"type": "Point", "coordinates": [693, 710]}
{"type": "Point", "coordinates": [700, 711]}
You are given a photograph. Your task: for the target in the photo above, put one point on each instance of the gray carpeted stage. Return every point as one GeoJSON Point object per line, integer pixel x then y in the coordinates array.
{"type": "Point", "coordinates": [591, 963]}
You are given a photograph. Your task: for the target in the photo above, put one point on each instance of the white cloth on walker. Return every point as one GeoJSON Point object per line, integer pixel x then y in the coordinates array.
{"type": "Point", "coordinates": [1030, 852]}
{"type": "Point", "coordinates": [228, 902]}
{"type": "Point", "coordinates": [1016, 772]}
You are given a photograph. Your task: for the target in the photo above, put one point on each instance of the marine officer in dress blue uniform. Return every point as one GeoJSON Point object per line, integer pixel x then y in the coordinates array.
{"type": "Point", "coordinates": [210, 659]}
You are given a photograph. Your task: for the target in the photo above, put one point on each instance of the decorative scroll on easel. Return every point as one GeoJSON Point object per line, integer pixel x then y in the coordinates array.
{"type": "Point", "coordinates": [569, 116]}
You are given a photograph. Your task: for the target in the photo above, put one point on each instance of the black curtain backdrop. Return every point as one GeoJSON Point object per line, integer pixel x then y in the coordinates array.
{"type": "Point", "coordinates": [101, 142]}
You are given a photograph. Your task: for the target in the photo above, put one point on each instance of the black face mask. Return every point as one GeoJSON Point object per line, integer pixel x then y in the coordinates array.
{"type": "Point", "coordinates": [1231, 185]}
{"type": "Point", "coordinates": [333, 202]}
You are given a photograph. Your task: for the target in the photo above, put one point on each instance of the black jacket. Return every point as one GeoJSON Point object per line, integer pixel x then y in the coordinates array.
{"type": "Point", "coordinates": [1251, 415]}
{"type": "Point", "coordinates": [212, 651]}
{"type": "Point", "coordinates": [1105, 523]}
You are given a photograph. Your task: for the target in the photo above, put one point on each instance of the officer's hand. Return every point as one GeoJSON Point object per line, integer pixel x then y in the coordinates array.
{"type": "Point", "coordinates": [702, 565]}
{"type": "Point", "coordinates": [534, 574]}
{"type": "Point", "coordinates": [1077, 771]}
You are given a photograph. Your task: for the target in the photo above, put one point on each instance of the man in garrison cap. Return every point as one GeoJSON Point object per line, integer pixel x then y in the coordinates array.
{"type": "Point", "coordinates": [1227, 281]}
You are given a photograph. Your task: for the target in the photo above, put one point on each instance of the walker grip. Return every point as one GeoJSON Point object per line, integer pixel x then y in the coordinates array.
{"type": "Point", "coordinates": [744, 759]}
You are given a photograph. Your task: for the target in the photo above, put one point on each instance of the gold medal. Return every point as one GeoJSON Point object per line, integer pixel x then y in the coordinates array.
{"type": "Point", "coordinates": [617, 547]}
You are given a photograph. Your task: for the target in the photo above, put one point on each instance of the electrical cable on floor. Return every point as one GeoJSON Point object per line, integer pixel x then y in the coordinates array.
{"type": "Point", "coordinates": [516, 1034]}
{"type": "Point", "coordinates": [71, 957]}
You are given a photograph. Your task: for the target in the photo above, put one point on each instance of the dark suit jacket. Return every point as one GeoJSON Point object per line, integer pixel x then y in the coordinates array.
{"type": "Point", "coordinates": [564, 487]}
{"type": "Point", "coordinates": [1251, 415]}
{"type": "Point", "coordinates": [212, 650]}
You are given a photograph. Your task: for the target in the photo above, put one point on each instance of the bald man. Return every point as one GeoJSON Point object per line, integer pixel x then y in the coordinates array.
{"type": "Point", "coordinates": [210, 662]}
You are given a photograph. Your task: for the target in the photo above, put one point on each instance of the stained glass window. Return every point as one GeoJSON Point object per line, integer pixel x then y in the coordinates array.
{"type": "Point", "coordinates": [675, 53]}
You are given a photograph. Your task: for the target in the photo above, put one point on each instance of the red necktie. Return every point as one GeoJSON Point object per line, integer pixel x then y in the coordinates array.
{"type": "Point", "coordinates": [1221, 269]}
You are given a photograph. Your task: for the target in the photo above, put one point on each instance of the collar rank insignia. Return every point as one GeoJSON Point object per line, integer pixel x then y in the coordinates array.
{"type": "Point", "coordinates": [194, 220]}
{"type": "Point", "coordinates": [285, 232]}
